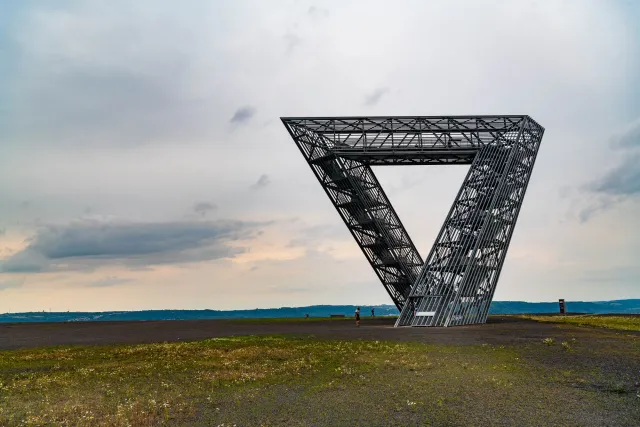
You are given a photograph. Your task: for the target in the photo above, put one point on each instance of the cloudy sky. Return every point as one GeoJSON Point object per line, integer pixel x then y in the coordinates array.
{"type": "Point", "coordinates": [143, 163]}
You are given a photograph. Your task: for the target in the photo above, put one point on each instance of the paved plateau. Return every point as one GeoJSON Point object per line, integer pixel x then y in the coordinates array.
{"type": "Point", "coordinates": [500, 330]}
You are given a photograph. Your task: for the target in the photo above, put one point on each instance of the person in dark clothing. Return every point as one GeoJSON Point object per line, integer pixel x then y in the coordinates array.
{"type": "Point", "coordinates": [358, 317]}
{"type": "Point", "coordinates": [373, 313]}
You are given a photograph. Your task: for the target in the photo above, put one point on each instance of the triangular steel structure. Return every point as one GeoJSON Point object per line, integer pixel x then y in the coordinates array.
{"type": "Point", "coordinates": [456, 283]}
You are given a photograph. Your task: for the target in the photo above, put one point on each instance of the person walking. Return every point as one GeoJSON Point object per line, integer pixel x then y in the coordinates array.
{"type": "Point", "coordinates": [358, 317]}
{"type": "Point", "coordinates": [373, 313]}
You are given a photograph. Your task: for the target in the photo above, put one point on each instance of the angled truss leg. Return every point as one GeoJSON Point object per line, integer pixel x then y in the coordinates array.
{"type": "Point", "coordinates": [361, 202]}
{"type": "Point", "coordinates": [458, 279]}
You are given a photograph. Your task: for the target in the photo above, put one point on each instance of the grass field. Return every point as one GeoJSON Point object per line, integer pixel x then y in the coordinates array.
{"type": "Point", "coordinates": [286, 380]}
{"type": "Point", "coordinates": [626, 323]}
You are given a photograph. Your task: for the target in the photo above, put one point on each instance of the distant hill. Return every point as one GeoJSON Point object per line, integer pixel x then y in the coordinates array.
{"type": "Point", "coordinates": [623, 306]}
{"type": "Point", "coordinates": [313, 311]}
{"type": "Point", "coordinates": [627, 306]}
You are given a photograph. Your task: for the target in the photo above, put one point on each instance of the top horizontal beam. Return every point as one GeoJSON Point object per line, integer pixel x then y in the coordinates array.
{"type": "Point", "coordinates": [403, 117]}
{"type": "Point", "coordinates": [407, 124]}
{"type": "Point", "coordinates": [410, 139]}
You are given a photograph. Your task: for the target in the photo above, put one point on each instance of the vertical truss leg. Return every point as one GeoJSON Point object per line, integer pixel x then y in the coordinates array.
{"type": "Point", "coordinates": [458, 279]}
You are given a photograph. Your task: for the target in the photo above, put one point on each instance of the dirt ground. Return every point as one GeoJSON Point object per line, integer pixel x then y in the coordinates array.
{"type": "Point", "coordinates": [614, 353]}
{"type": "Point", "coordinates": [499, 330]}
{"type": "Point", "coordinates": [596, 364]}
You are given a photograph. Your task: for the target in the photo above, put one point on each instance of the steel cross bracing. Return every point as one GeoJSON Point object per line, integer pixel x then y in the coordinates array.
{"type": "Point", "coordinates": [456, 283]}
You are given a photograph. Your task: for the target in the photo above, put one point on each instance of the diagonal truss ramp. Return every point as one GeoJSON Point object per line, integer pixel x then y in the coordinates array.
{"type": "Point", "coordinates": [456, 283]}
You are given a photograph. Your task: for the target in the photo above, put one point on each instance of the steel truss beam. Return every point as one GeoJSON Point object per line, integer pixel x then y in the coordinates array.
{"type": "Point", "coordinates": [456, 283]}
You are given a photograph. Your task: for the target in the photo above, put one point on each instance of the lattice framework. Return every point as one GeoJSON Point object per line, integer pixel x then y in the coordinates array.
{"type": "Point", "coordinates": [456, 282]}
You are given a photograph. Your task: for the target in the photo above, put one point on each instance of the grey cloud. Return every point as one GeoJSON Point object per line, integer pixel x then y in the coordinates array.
{"type": "Point", "coordinates": [262, 182]}
{"type": "Point", "coordinates": [292, 40]}
{"type": "Point", "coordinates": [89, 244]}
{"type": "Point", "coordinates": [596, 205]}
{"type": "Point", "coordinates": [629, 138]}
{"type": "Point", "coordinates": [623, 180]}
{"type": "Point", "coordinates": [203, 208]}
{"type": "Point", "coordinates": [118, 108]}
{"type": "Point", "coordinates": [12, 283]}
{"type": "Point", "coordinates": [109, 281]}
{"type": "Point", "coordinates": [243, 114]}
{"type": "Point", "coordinates": [25, 261]}
{"type": "Point", "coordinates": [587, 213]}
{"type": "Point", "coordinates": [620, 183]}
{"type": "Point", "coordinates": [374, 97]}
{"type": "Point", "coordinates": [318, 12]}
{"type": "Point", "coordinates": [96, 75]}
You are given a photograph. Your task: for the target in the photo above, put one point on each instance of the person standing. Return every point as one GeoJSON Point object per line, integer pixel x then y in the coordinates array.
{"type": "Point", "coordinates": [358, 317]}
{"type": "Point", "coordinates": [373, 313]}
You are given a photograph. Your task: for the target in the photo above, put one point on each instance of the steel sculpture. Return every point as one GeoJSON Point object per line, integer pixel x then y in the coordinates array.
{"type": "Point", "coordinates": [456, 282]}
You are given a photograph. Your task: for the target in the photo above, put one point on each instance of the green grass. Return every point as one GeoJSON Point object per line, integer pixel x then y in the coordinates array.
{"type": "Point", "coordinates": [279, 380]}
{"type": "Point", "coordinates": [627, 323]}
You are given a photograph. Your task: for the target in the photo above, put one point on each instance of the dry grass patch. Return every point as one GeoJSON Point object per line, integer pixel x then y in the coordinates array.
{"type": "Point", "coordinates": [626, 323]}
{"type": "Point", "coordinates": [276, 380]}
